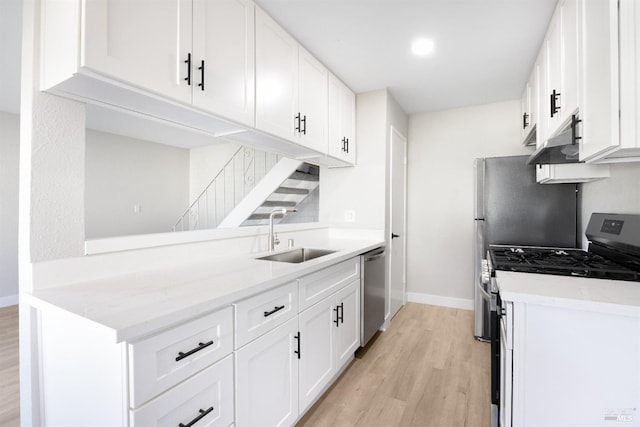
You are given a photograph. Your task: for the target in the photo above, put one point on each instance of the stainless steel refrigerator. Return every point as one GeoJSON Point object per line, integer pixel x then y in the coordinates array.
{"type": "Point", "coordinates": [512, 209]}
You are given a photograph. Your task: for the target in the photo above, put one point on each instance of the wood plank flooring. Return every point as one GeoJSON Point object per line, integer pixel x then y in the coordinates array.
{"type": "Point", "coordinates": [9, 378]}
{"type": "Point", "coordinates": [425, 370]}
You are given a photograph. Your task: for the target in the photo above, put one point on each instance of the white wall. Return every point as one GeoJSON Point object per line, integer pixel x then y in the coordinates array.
{"type": "Point", "coordinates": [361, 188]}
{"type": "Point", "coordinates": [9, 161]}
{"type": "Point", "coordinates": [442, 147]}
{"type": "Point", "coordinates": [620, 193]}
{"type": "Point", "coordinates": [121, 172]}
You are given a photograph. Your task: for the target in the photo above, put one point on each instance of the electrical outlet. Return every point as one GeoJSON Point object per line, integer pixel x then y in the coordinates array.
{"type": "Point", "coordinates": [137, 208]}
{"type": "Point", "coordinates": [349, 216]}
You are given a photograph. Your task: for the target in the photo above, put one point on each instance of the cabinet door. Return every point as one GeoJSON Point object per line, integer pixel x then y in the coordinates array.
{"type": "Point", "coordinates": [553, 57]}
{"type": "Point", "coordinates": [348, 327]}
{"type": "Point", "coordinates": [608, 97]}
{"type": "Point", "coordinates": [312, 100]}
{"type": "Point", "coordinates": [569, 54]}
{"type": "Point", "coordinates": [145, 44]}
{"type": "Point", "coordinates": [267, 379]}
{"type": "Point", "coordinates": [223, 37]}
{"type": "Point", "coordinates": [276, 78]}
{"type": "Point", "coordinates": [317, 362]}
{"type": "Point", "coordinates": [342, 111]}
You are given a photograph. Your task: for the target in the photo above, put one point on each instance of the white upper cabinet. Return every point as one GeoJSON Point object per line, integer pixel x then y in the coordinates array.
{"type": "Point", "coordinates": [223, 60]}
{"type": "Point", "coordinates": [529, 108]}
{"type": "Point", "coordinates": [187, 61]}
{"type": "Point", "coordinates": [291, 87]}
{"type": "Point", "coordinates": [561, 56]}
{"type": "Point", "coordinates": [313, 101]}
{"type": "Point", "coordinates": [276, 78]}
{"type": "Point", "coordinates": [135, 43]}
{"type": "Point", "coordinates": [342, 121]}
{"type": "Point", "coordinates": [611, 77]}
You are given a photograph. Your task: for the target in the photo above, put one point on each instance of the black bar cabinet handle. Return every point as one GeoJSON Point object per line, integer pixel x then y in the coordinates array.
{"type": "Point", "coordinates": [574, 131]}
{"type": "Point", "coordinates": [347, 142]}
{"type": "Point", "coordinates": [203, 413]}
{"type": "Point", "coordinates": [525, 120]}
{"type": "Point", "coordinates": [554, 102]}
{"type": "Point", "coordinates": [337, 321]}
{"type": "Point", "coordinates": [201, 345]}
{"type": "Point", "coordinates": [275, 310]}
{"type": "Point", "coordinates": [304, 120]}
{"type": "Point", "coordinates": [188, 62]}
{"type": "Point", "coordinates": [341, 312]}
{"type": "Point", "coordinates": [297, 122]}
{"type": "Point", "coordinates": [297, 338]}
{"type": "Point", "coordinates": [344, 144]}
{"type": "Point", "coordinates": [201, 68]}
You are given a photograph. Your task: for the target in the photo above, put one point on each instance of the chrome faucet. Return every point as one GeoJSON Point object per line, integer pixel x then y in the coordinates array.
{"type": "Point", "coordinates": [273, 238]}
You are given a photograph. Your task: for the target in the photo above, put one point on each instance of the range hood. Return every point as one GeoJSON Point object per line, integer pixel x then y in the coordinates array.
{"type": "Point", "coordinates": [562, 148]}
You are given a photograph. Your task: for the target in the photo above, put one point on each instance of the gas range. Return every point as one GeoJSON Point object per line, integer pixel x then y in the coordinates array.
{"type": "Point", "coordinates": [558, 261]}
{"type": "Point", "coordinates": [613, 252]}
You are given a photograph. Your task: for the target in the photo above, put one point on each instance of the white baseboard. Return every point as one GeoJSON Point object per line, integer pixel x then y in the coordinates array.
{"type": "Point", "coordinates": [8, 300]}
{"type": "Point", "coordinates": [464, 304]}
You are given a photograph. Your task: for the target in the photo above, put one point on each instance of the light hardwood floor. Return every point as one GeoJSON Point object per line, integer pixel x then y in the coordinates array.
{"type": "Point", "coordinates": [9, 381]}
{"type": "Point", "coordinates": [425, 370]}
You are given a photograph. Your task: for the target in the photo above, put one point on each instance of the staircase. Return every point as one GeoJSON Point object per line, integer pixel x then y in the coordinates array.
{"type": "Point", "coordinates": [291, 193]}
{"type": "Point", "coordinates": [232, 200]}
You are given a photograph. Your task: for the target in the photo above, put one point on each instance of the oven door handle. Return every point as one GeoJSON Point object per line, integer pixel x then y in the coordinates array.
{"type": "Point", "coordinates": [486, 295]}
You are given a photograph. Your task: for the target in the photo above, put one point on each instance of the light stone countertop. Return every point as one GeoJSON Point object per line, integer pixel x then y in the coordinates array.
{"type": "Point", "coordinates": [598, 295]}
{"type": "Point", "coordinates": [135, 305]}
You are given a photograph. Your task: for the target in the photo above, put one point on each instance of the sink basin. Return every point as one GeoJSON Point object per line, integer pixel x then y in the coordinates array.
{"type": "Point", "coordinates": [297, 255]}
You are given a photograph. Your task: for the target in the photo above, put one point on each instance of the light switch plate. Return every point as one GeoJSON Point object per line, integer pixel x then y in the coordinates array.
{"type": "Point", "coordinates": [349, 216]}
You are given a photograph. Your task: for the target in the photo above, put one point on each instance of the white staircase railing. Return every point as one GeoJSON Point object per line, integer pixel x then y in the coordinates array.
{"type": "Point", "coordinates": [235, 180]}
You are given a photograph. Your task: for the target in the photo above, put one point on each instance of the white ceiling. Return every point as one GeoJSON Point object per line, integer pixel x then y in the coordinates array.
{"type": "Point", "coordinates": [484, 48]}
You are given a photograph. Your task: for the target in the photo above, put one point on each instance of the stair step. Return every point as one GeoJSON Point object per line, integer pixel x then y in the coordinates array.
{"type": "Point", "coordinates": [289, 190]}
{"type": "Point", "coordinates": [302, 176]}
{"type": "Point", "coordinates": [276, 203]}
{"type": "Point", "coordinates": [258, 216]}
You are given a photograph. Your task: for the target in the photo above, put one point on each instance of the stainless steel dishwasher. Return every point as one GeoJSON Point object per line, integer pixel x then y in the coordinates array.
{"type": "Point", "coordinates": [373, 275]}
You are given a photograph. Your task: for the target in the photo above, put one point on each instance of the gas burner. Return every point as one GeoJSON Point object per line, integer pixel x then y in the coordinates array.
{"type": "Point", "coordinates": [559, 261]}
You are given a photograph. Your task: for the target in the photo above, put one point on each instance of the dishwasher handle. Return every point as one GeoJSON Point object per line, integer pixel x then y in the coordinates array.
{"type": "Point", "coordinates": [373, 255]}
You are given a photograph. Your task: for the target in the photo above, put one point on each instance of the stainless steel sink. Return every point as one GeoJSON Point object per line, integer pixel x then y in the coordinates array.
{"type": "Point", "coordinates": [297, 255]}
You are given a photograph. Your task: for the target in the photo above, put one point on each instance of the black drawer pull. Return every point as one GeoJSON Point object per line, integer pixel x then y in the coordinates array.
{"type": "Point", "coordinates": [182, 355]}
{"type": "Point", "coordinates": [275, 310]}
{"type": "Point", "coordinates": [337, 311]}
{"type": "Point", "coordinates": [203, 413]}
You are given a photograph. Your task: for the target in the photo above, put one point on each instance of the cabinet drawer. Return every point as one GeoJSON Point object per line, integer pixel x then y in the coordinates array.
{"type": "Point", "coordinates": [263, 312]}
{"type": "Point", "coordinates": [316, 286]}
{"type": "Point", "coordinates": [207, 396]}
{"type": "Point", "coordinates": [163, 360]}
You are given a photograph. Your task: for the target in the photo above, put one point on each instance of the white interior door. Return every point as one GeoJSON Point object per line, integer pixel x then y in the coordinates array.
{"type": "Point", "coordinates": [398, 208]}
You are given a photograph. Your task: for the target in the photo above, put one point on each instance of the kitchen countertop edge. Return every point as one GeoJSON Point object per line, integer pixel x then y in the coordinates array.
{"type": "Point", "coordinates": [121, 327]}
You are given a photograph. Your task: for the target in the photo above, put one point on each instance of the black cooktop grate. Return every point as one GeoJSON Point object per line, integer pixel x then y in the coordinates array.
{"type": "Point", "coordinates": [558, 261]}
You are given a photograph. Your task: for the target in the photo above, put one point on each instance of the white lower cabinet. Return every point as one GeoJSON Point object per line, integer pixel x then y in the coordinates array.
{"type": "Point", "coordinates": [267, 378]}
{"type": "Point", "coordinates": [348, 330]}
{"type": "Point", "coordinates": [317, 345]}
{"type": "Point", "coordinates": [205, 399]}
{"type": "Point", "coordinates": [329, 335]}
{"type": "Point", "coordinates": [570, 367]}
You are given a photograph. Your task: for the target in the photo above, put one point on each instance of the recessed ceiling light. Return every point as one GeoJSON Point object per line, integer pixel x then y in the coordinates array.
{"type": "Point", "coordinates": [422, 47]}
